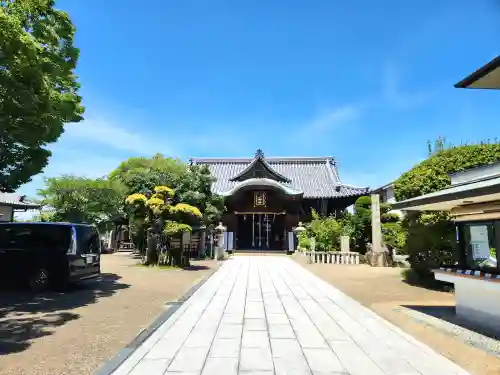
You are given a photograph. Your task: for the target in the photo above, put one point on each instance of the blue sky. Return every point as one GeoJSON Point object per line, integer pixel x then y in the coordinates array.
{"type": "Point", "coordinates": [366, 82]}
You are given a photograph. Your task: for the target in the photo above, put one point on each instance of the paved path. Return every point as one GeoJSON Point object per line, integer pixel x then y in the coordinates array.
{"type": "Point", "coordinates": [268, 315]}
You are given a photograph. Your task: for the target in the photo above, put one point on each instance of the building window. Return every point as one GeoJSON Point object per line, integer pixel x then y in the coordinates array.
{"type": "Point", "coordinates": [481, 246]}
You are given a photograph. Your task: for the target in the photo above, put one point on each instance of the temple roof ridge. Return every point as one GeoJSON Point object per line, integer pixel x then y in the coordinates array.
{"type": "Point", "coordinates": [259, 158]}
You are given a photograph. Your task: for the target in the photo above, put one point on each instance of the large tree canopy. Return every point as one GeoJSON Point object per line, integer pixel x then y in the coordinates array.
{"type": "Point", "coordinates": [141, 175]}
{"type": "Point", "coordinates": [84, 200]}
{"type": "Point", "coordinates": [38, 88]}
{"type": "Point", "coordinates": [192, 184]}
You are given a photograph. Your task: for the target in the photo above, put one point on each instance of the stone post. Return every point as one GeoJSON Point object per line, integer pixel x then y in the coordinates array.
{"type": "Point", "coordinates": [379, 253]}
{"type": "Point", "coordinates": [376, 227]}
{"type": "Point", "coordinates": [344, 244]}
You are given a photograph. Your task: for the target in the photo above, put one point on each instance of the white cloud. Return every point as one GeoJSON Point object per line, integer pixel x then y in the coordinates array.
{"type": "Point", "coordinates": [395, 96]}
{"type": "Point", "coordinates": [332, 118]}
{"type": "Point", "coordinates": [117, 137]}
{"type": "Point", "coordinates": [335, 119]}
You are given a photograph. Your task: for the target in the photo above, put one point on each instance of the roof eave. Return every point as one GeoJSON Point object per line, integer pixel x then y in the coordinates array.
{"type": "Point", "coordinates": [445, 196]}
{"type": "Point", "coordinates": [478, 74]}
{"type": "Point", "coordinates": [21, 205]}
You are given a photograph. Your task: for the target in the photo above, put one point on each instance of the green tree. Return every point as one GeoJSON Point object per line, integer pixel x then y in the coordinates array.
{"type": "Point", "coordinates": [326, 232]}
{"type": "Point", "coordinates": [84, 200]}
{"type": "Point", "coordinates": [361, 225]}
{"type": "Point", "coordinates": [38, 87]}
{"type": "Point", "coordinates": [195, 188]}
{"type": "Point", "coordinates": [141, 175]}
{"type": "Point", "coordinates": [162, 216]}
{"type": "Point", "coordinates": [192, 184]}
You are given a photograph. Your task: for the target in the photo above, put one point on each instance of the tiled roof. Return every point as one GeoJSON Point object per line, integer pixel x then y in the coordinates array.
{"type": "Point", "coordinates": [16, 201]}
{"type": "Point", "coordinates": [317, 177]}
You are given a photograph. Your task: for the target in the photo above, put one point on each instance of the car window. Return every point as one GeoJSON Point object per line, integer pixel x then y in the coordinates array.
{"type": "Point", "coordinates": [26, 236]}
{"type": "Point", "coordinates": [14, 238]}
{"type": "Point", "coordinates": [88, 239]}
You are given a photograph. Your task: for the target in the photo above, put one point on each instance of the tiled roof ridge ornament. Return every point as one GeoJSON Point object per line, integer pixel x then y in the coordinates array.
{"type": "Point", "coordinates": [259, 153]}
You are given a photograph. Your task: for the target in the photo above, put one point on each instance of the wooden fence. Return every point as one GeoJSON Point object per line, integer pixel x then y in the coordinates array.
{"type": "Point", "coordinates": [332, 257]}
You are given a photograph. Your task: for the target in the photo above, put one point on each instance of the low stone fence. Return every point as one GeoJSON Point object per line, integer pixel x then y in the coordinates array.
{"type": "Point", "coordinates": [332, 257]}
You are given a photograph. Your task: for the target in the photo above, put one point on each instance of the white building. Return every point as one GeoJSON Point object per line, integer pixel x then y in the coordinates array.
{"type": "Point", "coordinates": [11, 203]}
{"type": "Point", "coordinates": [386, 193]}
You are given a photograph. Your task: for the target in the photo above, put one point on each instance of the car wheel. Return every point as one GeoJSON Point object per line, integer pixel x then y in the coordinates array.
{"type": "Point", "coordinates": [39, 281]}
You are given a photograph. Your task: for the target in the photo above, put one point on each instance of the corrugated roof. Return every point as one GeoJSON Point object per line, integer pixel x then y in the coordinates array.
{"type": "Point", "coordinates": [15, 200]}
{"type": "Point", "coordinates": [317, 177]}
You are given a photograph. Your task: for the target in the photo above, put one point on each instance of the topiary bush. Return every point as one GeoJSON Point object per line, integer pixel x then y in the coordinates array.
{"type": "Point", "coordinates": [430, 237]}
{"type": "Point", "coordinates": [433, 173]}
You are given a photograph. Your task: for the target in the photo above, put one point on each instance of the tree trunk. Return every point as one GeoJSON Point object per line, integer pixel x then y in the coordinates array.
{"type": "Point", "coordinates": [152, 254]}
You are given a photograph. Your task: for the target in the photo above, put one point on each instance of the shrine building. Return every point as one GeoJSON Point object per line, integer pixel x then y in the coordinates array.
{"type": "Point", "coordinates": [267, 197]}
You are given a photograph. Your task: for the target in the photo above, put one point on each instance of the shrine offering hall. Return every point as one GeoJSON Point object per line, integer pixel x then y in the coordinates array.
{"type": "Point", "coordinates": [266, 198]}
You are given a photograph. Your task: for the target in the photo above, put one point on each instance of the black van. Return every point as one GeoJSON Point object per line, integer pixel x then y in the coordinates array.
{"type": "Point", "coordinates": [44, 254]}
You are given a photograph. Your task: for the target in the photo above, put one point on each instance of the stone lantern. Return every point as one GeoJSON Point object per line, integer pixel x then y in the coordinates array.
{"type": "Point", "coordinates": [220, 230]}
{"type": "Point", "coordinates": [297, 231]}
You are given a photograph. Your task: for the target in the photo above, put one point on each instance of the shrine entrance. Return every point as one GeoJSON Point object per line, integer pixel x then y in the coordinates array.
{"type": "Point", "coordinates": [260, 231]}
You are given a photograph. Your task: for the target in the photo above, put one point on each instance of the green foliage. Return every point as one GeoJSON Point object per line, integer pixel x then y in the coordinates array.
{"type": "Point", "coordinates": [304, 241]}
{"type": "Point", "coordinates": [38, 87]}
{"type": "Point", "coordinates": [183, 208]}
{"type": "Point", "coordinates": [195, 188]}
{"type": "Point", "coordinates": [83, 200]}
{"type": "Point", "coordinates": [174, 229]}
{"type": "Point", "coordinates": [192, 184]}
{"type": "Point", "coordinates": [394, 235]}
{"type": "Point", "coordinates": [439, 144]}
{"type": "Point", "coordinates": [326, 231]}
{"type": "Point", "coordinates": [142, 175]}
{"type": "Point", "coordinates": [430, 240]}
{"type": "Point", "coordinates": [149, 216]}
{"type": "Point", "coordinates": [432, 174]}
{"type": "Point", "coordinates": [392, 231]}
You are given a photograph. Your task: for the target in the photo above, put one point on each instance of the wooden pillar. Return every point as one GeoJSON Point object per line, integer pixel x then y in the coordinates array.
{"type": "Point", "coordinates": [323, 207]}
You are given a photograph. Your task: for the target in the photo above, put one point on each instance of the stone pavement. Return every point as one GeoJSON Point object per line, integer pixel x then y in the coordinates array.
{"type": "Point", "coordinates": [268, 315]}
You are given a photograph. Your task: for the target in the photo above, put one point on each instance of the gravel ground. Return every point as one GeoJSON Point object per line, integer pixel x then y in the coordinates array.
{"type": "Point", "coordinates": [77, 331]}
{"type": "Point", "coordinates": [425, 314]}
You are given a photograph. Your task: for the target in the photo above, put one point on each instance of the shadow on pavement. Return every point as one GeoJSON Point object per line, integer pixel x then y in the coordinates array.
{"type": "Point", "coordinates": [195, 267]}
{"type": "Point", "coordinates": [25, 316]}
{"type": "Point", "coordinates": [448, 314]}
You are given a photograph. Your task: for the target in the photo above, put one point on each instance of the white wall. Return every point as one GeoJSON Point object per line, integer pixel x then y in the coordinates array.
{"type": "Point", "coordinates": [477, 301]}
{"type": "Point", "coordinates": [475, 173]}
{"type": "Point", "coordinates": [5, 213]}
{"type": "Point", "coordinates": [387, 196]}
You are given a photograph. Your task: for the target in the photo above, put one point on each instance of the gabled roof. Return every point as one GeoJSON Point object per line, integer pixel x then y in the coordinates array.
{"type": "Point", "coordinates": [16, 201]}
{"type": "Point", "coordinates": [316, 177]}
{"type": "Point", "coordinates": [259, 161]}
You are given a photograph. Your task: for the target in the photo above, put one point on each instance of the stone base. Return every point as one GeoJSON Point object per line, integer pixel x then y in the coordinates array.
{"type": "Point", "coordinates": [378, 259]}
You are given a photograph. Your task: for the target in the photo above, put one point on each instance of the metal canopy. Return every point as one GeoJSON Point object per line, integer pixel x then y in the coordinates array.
{"type": "Point", "coordinates": [486, 190]}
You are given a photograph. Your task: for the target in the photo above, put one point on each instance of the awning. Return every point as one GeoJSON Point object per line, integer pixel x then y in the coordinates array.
{"type": "Point", "coordinates": [260, 183]}
{"type": "Point", "coordinates": [485, 190]}
{"type": "Point", "coordinates": [486, 77]}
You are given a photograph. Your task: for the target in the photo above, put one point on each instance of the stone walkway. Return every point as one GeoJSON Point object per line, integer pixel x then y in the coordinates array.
{"type": "Point", "coordinates": [268, 315]}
